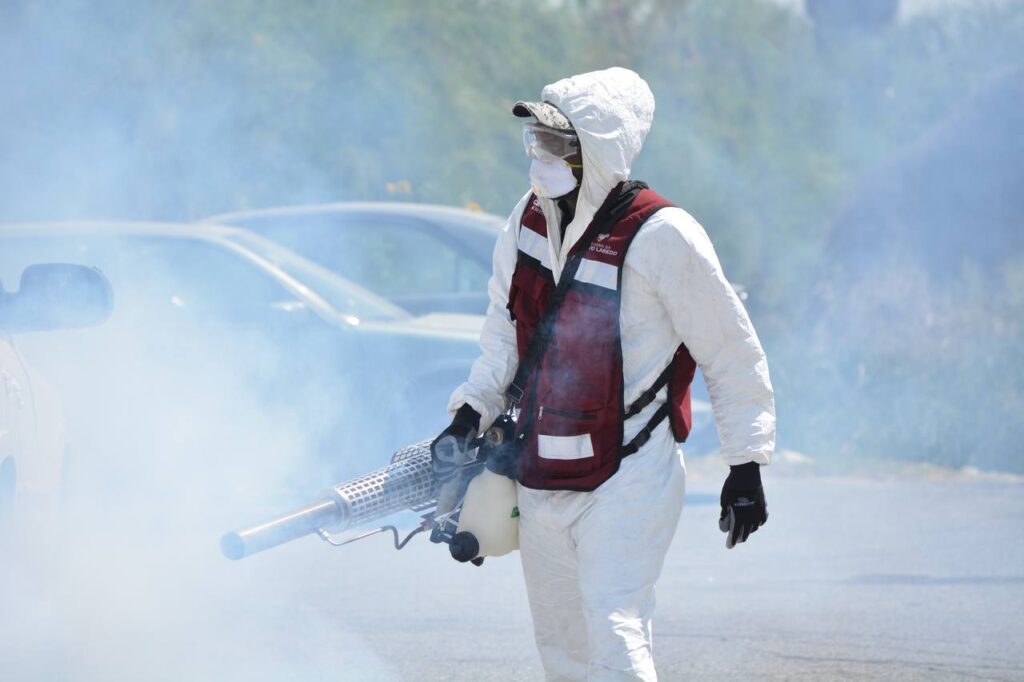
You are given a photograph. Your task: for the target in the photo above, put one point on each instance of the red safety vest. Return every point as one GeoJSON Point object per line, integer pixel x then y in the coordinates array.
{"type": "Point", "coordinates": [572, 412]}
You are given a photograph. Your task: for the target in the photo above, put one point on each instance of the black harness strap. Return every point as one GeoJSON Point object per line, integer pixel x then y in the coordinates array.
{"type": "Point", "coordinates": [648, 396]}
{"type": "Point", "coordinates": [645, 433]}
{"type": "Point", "coordinates": [645, 399]}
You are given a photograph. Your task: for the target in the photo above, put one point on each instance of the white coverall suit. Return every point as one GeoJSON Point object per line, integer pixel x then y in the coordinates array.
{"type": "Point", "coordinates": [591, 559]}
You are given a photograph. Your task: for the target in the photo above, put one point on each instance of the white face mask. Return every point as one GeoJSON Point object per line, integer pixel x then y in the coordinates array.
{"type": "Point", "coordinates": [551, 179]}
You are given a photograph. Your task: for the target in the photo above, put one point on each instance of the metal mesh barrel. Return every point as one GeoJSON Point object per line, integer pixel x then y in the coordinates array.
{"type": "Point", "coordinates": [406, 483]}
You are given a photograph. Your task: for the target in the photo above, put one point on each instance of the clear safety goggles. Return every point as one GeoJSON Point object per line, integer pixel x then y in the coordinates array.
{"type": "Point", "coordinates": [548, 144]}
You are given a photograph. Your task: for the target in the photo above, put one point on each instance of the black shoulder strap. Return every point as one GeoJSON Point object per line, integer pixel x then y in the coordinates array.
{"type": "Point", "coordinates": [611, 211]}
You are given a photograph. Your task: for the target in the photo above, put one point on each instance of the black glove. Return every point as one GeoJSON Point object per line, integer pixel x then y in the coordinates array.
{"type": "Point", "coordinates": [447, 452]}
{"type": "Point", "coordinates": [743, 506]}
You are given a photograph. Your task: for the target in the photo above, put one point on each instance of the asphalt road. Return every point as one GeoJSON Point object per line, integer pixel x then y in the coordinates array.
{"type": "Point", "coordinates": [852, 578]}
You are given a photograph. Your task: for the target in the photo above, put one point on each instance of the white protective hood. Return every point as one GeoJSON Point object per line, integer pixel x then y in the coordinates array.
{"type": "Point", "coordinates": [611, 111]}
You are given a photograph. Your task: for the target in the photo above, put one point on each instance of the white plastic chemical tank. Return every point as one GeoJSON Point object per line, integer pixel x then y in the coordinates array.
{"type": "Point", "coordinates": [490, 515]}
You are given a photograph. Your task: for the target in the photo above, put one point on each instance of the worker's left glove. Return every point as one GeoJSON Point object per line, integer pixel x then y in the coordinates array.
{"type": "Point", "coordinates": [743, 506]}
{"type": "Point", "coordinates": [448, 451]}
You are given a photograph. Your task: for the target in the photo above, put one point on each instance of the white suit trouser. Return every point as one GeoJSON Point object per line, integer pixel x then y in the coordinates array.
{"type": "Point", "coordinates": [591, 559]}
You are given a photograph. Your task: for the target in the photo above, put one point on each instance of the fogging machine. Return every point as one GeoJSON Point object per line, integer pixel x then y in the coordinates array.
{"type": "Point", "coordinates": [406, 484]}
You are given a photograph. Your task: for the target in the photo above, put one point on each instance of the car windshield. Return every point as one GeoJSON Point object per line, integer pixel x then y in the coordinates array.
{"type": "Point", "coordinates": [345, 297]}
{"type": "Point", "coordinates": [429, 262]}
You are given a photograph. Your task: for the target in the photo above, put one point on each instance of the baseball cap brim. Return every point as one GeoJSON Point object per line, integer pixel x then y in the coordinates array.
{"type": "Point", "coordinates": [546, 114]}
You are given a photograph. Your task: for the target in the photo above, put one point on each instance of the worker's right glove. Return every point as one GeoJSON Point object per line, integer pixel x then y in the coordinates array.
{"type": "Point", "coordinates": [448, 451]}
{"type": "Point", "coordinates": [743, 507]}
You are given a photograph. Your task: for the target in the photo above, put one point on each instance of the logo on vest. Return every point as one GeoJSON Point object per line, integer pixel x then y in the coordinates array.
{"type": "Point", "coordinates": [603, 249]}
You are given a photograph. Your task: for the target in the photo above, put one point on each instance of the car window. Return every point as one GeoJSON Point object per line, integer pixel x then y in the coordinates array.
{"type": "Point", "coordinates": [392, 256]}
{"type": "Point", "coordinates": [340, 293]}
{"type": "Point", "coordinates": [158, 275]}
{"type": "Point", "coordinates": [400, 261]}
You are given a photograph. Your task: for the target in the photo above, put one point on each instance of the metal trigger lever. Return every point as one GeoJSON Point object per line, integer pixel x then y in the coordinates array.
{"type": "Point", "coordinates": [333, 538]}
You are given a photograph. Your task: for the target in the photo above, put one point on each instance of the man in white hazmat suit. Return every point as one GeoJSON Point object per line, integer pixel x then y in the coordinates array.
{"type": "Point", "coordinates": [604, 297]}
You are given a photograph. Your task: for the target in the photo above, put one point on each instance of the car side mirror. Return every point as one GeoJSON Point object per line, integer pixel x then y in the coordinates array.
{"type": "Point", "coordinates": [57, 296]}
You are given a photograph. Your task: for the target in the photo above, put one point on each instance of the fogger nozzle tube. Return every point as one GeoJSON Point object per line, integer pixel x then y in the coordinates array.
{"type": "Point", "coordinates": [406, 483]}
{"type": "Point", "coordinates": [282, 529]}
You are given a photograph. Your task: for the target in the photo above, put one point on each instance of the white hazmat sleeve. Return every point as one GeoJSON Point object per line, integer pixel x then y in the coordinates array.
{"type": "Point", "coordinates": [708, 316]}
{"type": "Point", "coordinates": [494, 370]}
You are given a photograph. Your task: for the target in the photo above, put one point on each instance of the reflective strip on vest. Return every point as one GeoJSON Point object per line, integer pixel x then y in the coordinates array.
{"type": "Point", "coordinates": [598, 273]}
{"type": "Point", "coordinates": [534, 245]}
{"type": "Point", "coordinates": [565, 447]}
